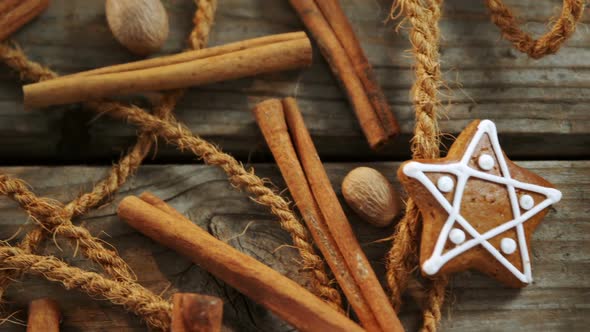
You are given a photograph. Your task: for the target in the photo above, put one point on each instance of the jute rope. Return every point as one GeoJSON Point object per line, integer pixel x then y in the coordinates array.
{"type": "Point", "coordinates": [549, 43]}
{"type": "Point", "coordinates": [424, 16]}
{"type": "Point", "coordinates": [177, 134]}
{"type": "Point", "coordinates": [402, 259]}
{"type": "Point", "coordinates": [130, 295]}
{"type": "Point", "coordinates": [56, 218]}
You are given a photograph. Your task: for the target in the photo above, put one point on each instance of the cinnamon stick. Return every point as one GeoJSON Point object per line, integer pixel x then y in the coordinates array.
{"type": "Point", "coordinates": [337, 221]}
{"type": "Point", "coordinates": [318, 204]}
{"type": "Point", "coordinates": [16, 13]}
{"type": "Point", "coordinates": [44, 316]}
{"type": "Point", "coordinates": [196, 313]}
{"type": "Point", "coordinates": [194, 55]}
{"type": "Point", "coordinates": [340, 47]}
{"type": "Point", "coordinates": [218, 65]}
{"type": "Point", "coordinates": [341, 26]}
{"type": "Point", "coordinates": [264, 285]}
{"type": "Point", "coordinates": [270, 118]}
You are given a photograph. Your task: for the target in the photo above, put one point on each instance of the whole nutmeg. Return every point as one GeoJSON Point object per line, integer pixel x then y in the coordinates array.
{"type": "Point", "coordinates": [371, 196]}
{"type": "Point", "coordinates": [139, 25]}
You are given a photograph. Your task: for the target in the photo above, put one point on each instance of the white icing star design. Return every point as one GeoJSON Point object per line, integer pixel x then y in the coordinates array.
{"type": "Point", "coordinates": [463, 172]}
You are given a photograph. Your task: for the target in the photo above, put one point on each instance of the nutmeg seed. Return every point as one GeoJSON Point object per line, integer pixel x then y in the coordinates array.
{"type": "Point", "coordinates": [139, 25]}
{"type": "Point", "coordinates": [371, 196]}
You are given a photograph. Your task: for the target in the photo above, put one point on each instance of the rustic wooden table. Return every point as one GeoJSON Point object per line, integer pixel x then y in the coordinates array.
{"type": "Point", "coordinates": [540, 108]}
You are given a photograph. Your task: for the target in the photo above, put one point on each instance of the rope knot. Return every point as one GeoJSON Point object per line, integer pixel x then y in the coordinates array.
{"type": "Point", "coordinates": [550, 42]}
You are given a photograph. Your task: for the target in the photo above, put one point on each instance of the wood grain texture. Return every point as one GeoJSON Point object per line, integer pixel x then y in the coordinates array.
{"type": "Point", "coordinates": [533, 102]}
{"type": "Point", "coordinates": [557, 301]}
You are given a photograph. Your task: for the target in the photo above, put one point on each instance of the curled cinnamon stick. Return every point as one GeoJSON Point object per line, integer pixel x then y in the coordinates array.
{"type": "Point", "coordinates": [196, 313]}
{"type": "Point", "coordinates": [44, 316]}
{"type": "Point", "coordinates": [16, 13]}
{"type": "Point", "coordinates": [320, 208]}
{"type": "Point", "coordinates": [339, 45]}
{"type": "Point", "coordinates": [153, 217]}
{"type": "Point", "coordinates": [337, 221]}
{"type": "Point", "coordinates": [194, 55]}
{"type": "Point", "coordinates": [248, 59]}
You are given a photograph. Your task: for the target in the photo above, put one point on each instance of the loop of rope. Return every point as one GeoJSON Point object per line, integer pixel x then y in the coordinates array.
{"type": "Point", "coordinates": [550, 42]}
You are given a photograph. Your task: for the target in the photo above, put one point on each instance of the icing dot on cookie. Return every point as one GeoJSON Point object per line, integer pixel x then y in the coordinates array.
{"type": "Point", "coordinates": [508, 245]}
{"type": "Point", "coordinates": [526, 202]}
{"type": "Point", "coordinates": [457, 236]}
{"type": "Point", "coordinates": [486, 162]}
{"type": "Point", "coordinates": [445, 184]}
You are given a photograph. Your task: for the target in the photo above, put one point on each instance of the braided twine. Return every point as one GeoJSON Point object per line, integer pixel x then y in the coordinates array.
{"type": "Point", "coordinates": [424, 17]}
{"type": "Point", "coordinates": [53, 217]}
{"type": "Point", "coordinates": [562, 29]}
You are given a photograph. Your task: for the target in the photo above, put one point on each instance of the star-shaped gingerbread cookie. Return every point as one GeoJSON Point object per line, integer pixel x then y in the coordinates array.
{"type": "Point", "coordinates": [479, 209]}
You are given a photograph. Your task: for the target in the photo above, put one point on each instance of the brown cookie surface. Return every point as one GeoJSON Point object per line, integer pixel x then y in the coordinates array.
{"type": "Point", "coordinates": [479, 209]}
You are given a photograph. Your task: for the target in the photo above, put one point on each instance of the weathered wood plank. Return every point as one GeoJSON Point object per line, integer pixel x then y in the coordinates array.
{"type": "Point", "coordinates": [533, 102]}
{"type": "Point", "coordinates": [557, 301]}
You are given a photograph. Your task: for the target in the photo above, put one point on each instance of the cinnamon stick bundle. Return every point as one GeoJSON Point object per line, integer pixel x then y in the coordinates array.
{"type": "Point", "coordinates": [339, 45]}
{"type": "Point", "coordinates": [306, 312]}
{"type": "Point", "coordinates": [16, 13]}
{"type": "Point", "coordinates": [283, 128]}
{"type": "Point", "coordinates": [237, 60]}
{"type": "Point", "coordinates": [44, 316]}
